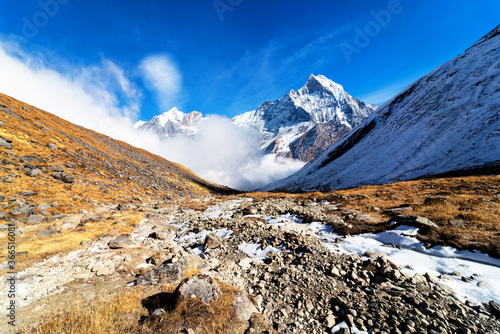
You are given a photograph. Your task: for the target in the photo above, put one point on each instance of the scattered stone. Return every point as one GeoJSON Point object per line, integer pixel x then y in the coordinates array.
{"type": "Point", "coordinates": [48, 232]}
{"type": "Point", "coordinates": [65, 177]}
{"type": "Point", "coordinates": [123, 241]}
{"type": "Point", "coordinates": [495, 308]}
{"type": "Point", "coordinates": [35, 219]}
{"type": "Point", "coordinates": [5, 143]}
{"type": "Point", "coordinates": [330, 321]}
{"type": "Point", "coordinates": [412, 221]}
{"type": "Point", "coordinates": [28, 193]}
{"type": "Point", "coordinates": [22, 209]}
{"type": "Point", "coordinates": [418, 279]}
{"type": "Point", "coordinates": [431, 278]}
{"type": "Point", "coordinates": [212, 241]}
{"type": "Point", "coordinates": [435, 201]}
{"type": "Point", "coordinates": [203, 287]}
{"type": "Point", "coordinates": [158, 312]}
{"type": "Point", "coordinates": [33, 172]}
{"type": "Point", "coordinates": [52, 146]}
{"type": "Point", "coordinates": [397, 210]}
{"type": "Point", "coordinates": [244, 307]}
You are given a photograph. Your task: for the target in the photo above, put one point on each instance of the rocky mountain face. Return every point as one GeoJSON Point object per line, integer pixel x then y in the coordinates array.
{"type": "Point", "coordinates": [171, 123]}
{"type": "Point", "coordinates": [304, 123]}
{"type": "Point", "coordinates": [446, 123]}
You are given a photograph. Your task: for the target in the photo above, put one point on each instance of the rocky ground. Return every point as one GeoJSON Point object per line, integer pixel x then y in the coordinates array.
{"type": "Point", "coordinates": [298, 286]}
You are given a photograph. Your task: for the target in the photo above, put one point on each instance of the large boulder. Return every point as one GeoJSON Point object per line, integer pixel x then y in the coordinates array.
{"type": "Point", "coordinates": [123, 241]}
{"type": "Point", "coordinates": [413, 221]}
{"type": "Point", "coordinates": [200, 286]}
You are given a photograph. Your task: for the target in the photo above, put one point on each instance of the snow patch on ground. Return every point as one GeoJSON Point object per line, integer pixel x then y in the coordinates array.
{"type": "Point", "coordinates": [255, 251]}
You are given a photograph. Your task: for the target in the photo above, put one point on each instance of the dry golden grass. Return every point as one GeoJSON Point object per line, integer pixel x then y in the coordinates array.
{"type": "Point", "coordinates": [217, 317]}
{"type": "Point", "coordinates": [121, 311]}
{"type": "Point", "coordinates": [41, 248]}
{"type": "Point", "coordinates": [95, 186]}
{"type": "Point", "coordinates": [117, 314]}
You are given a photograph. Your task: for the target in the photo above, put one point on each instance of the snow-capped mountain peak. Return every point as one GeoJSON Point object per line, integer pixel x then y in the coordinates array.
{"type": "Point", "coordinates": [318, 83]}
{"type": "Point", "coordinates": [289, 125]}
{"type": "Point", "coordinates": [446, 123]}
{"type": "Point", "coordinates": [171, 123]}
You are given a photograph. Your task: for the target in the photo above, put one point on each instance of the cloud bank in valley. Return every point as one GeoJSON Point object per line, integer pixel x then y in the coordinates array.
{"type": "Point", "coordinates": [226, 154]}
{"type": "Point", "coordinates": [103, 98]}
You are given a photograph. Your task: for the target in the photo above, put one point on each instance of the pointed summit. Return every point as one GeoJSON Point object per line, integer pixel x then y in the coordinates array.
{"type": "Point", "coordinates": [317, 83]}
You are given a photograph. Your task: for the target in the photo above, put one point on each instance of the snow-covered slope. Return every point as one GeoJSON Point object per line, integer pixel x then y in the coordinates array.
{"type": "Point", "coordinates": [448, 121]}
{"type": "Point", "coordinates": [171, 123]}
{"type": "Point", "coordinates": [304, 123]}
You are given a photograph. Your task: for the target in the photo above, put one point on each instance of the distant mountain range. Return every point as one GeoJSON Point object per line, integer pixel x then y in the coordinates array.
{"type": "Point", "coordinates": [446, 123]}
{"type": "Point", "coordinates": [300, 125]}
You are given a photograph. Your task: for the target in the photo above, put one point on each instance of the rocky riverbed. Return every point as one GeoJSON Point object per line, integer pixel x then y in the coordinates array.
{"type": "Point", "coordinates": [268, 251]}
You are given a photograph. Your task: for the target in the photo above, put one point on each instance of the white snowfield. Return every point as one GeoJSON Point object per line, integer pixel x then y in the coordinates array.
{"type": "Point", "coordinates": [281, 122]}
{"type": "Point", "coordinates": [448, 120]}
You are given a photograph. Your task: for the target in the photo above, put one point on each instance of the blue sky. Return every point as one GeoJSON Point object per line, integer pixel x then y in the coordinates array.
{"type": "Point", "coordinates": [228, 56]}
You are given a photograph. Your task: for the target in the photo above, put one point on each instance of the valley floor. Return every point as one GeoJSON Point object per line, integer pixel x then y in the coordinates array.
{"type": "Point", "coordinates": [379, 259]}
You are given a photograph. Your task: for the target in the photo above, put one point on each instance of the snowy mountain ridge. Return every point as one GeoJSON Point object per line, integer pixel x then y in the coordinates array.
{"type": "Point", "coordinates": [446, 122]}
{"type": "Point", "coordinates": [171, 123]}
{"type": "Point", "coordinates": [300, 125]}
{"type": "Point", "coordinates": [289, 126]}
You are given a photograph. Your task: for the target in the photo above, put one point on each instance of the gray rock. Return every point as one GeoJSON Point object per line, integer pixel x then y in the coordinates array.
{"type": "Point", "coordinates": [5, 143]}
{"type": "Point", "coordinates": [3, 227]}
{"type": "Point", "coordinates": [35, 219]}
{"type": "Point", "coordinates": [212, 241]}
{"type": "Point", "coordinates": [52, 146]}
{"type": "Point", "coordinates": [28, 193]}
{"type": "Point", "coordinates": [244, 307]}
{"type": "Point", "coordinates": [203, 287]}
{"type": "Point", "coordinates": [250, 211]}
{"type": "Point", "coordinates": [397, 210]}
{"type": "Point", "coordinates": [158, 312]}
{"type": "Point", "coordinates": [412, 221]}
{"type": "Point", "coordinates": [431, 278]}
{"type": "Point", "coordinates": [48, 232]}
{"type": "Point", "coordinates": [330, 321]}
{"type": "Point", "coordinates": [22, 209]}
{"type": "Point", "coordinates": [495, 309]}
{"type": "Point", "coordinates": [33, 172]}
{"type": "Point", "coordinates": [169, 272]}
{"type": "Point", "coordinates": [65, 177]}
{"type": "Point", "coordinates": [123, 241]}
{"type": "Point", "coordinates": [56, 169]}
{"type": "Point", "coordinates": [418, 279]}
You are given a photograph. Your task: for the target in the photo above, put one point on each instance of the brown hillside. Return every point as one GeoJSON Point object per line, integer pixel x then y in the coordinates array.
{"type": "Point", "coordinates": [51, 168]}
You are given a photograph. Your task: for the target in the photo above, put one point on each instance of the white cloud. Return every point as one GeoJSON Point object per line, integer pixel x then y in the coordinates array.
{"type": "Point", "coordinates": [226, 154]}
{"type": "Point", "coordinates": [82, 95]}
{"type": "Point", "coordinates": [101, 97]}
{"type": "Point", "coordinates": [162, 75]}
